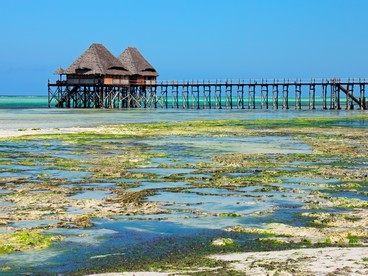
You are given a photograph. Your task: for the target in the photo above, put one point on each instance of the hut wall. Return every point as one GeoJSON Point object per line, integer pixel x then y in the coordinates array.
{"type": "Point", "coordinates": [137, 79]}
{"type": "Point", "coordinates": [118, 80]}
{"type": "Point", "coordinates": [84, 80]}
{"type": "Point", "coordinates": [150, 80]}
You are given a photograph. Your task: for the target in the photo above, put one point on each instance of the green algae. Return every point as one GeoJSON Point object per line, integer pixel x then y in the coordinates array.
{"type": "Point", "coordinates": [352, 239]}
{"type": "Point", "coordinates": [193, 128]}
{"type": "Point", "coordinates": [241, 229]}
{"type": "Point", "coordinates": [25, 240]}
{"type": "Point", "coordinates": [337, 202]}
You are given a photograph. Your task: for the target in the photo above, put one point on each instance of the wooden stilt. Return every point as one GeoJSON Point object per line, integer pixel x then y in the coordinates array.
{"type": "Point", "coordinates": [362, 96]}
{"type": "Point", "coordinates": [324, 95]}
{"type": "Point", "coordinates": [252, 96]}
{"type": "Point", "coordinates": [285, 95]}
{"type": "Point", "coordinates": [240, 95]}
{"type": "Point", "coordinates": [264, 95]}
{"type": "Point", "coordinates": [275, 95]}
{"type": "Point", "coordinates": [312, 95]}
{"type": "Point", "coordinates": [298, 96]}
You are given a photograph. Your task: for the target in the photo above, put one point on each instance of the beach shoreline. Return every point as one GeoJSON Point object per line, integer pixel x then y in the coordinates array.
{"type": "Point", "coordinates": [308, 261]}
{"type": "Point", "coordinates": [314, 261]}
{"type": "Point", "coordinates": [8, 133]}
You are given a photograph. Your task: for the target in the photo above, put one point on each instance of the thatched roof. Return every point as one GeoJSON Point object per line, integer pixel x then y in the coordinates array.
{"type": "Point", "coordinates": [132, 59]}
{"type": "Point", "coordinates": [97, 60]}
{"type": "Point", "coordinates": [59, 71]}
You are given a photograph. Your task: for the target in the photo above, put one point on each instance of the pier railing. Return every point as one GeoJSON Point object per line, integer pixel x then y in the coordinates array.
{"type": "Point", "coordinates": [335, 93]}
{"type": "Point", "coordinates": [269, 81]}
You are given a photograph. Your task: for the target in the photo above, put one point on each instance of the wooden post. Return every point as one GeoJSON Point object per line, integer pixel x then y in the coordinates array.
{"type": "Point", "coordinates": [349, 102]}
{"type": "Point", "coordinates": [312, 95]}
{"type": "Point", "coordinates": [332, 96]}
{"type": "Point", "coordinates": [252, 96]}
{"type": "Point", "coordinates": [298, 95]}
{"type": "Point", "coordinates": [206, 95]}
{"type": "Point", "coordinates": [240, 95]}
{"type": "Point", "coordinates": [264, 94]}
{"type": "Point", "coordinates": [218, 97]}
{"type": "Point", "coordinates": [338, 97]}
{"type": "Point", "coordinates": [119, 97]}
{"type": "Point", "coordinates": [361, 99]}
{"type": "Point", "coordinates": [324, 95]}
{"type": "Point", "coordinates": [174, 94]}
{"type": "Point", "coordinates": [48, 94]}
{"type": "Point", "coordinates": [275, 95]}
{"type": "Point", "coordinates": [209, 95]}
{"type": "Point", "coordinates": [229, 94]}
{"type": "Point", "coordinates": [198, 106]}
{"type": "Point", "coordinates": [285, 95]}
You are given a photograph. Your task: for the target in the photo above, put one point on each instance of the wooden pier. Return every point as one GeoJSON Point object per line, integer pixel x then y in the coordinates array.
{"type": "Point", "coordinates": [262, 94]}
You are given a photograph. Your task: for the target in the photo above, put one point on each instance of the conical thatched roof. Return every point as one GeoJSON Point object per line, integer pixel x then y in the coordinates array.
{"type": "Point", "coordinates": [97, 60]}
{"type": "Point", "coordinates": [132, 59]}
{"type": "Point", "coordinates": [59, 71]}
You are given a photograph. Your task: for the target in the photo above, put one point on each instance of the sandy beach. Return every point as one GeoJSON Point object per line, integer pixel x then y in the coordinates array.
{"type": "Point", "coordinates": [318, 261]}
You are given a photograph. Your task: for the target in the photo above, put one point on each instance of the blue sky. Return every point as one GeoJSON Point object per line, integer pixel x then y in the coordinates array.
{"type": "Point", "coordinates": [186, 39]}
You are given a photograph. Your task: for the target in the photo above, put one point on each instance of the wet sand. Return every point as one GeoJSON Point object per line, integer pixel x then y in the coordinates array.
{"type": "Point", "coordinates": [4, 133]}
{"type": "Point", "coordinates": [318, 261]}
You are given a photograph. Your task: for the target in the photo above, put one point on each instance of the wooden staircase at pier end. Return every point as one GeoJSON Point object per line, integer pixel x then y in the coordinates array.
{"type": "Point", "coordinates": [66, 96]}
{"type": "Point", "coordinates": [349, 95]}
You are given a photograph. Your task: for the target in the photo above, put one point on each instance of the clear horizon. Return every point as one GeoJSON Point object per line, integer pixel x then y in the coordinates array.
{"type": "Point", "coordinates": [185, 39]}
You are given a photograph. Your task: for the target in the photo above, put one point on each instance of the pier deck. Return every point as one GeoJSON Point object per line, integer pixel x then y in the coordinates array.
{"type": "Point", "coordinates": [274, 94]}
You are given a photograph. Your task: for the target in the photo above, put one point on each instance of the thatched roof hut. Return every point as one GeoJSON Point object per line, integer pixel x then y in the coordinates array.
{"type": "Point", "coordinates": [132, 59]}
{"type": "Point", "coordinates": [59, 71]}
{"type": "Point", "coordinates": [98, 66]}
{"type": "Point", "coordinates": [97, 60]}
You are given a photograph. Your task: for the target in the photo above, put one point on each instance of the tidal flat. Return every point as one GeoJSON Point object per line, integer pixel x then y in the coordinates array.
{"type": "Point", "coordinates": [165, 196]}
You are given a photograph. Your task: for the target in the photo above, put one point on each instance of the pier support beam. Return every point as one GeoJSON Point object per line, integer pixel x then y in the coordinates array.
{"type": "Point", "coordinates": [174, 95]}
{"type": "Point", "coordinates": [264, 95]}
{"type": "Point", "coordinates": [335, 97]}
{"type": "Point", "coordinates": [252, 96]}
{"type": "Point", "coordinates": [285, 96]}
{"type": "Point", "coordinates": [275, 96]}
{"type": "Point", "coordinates": [218, 96]}
{"type": "Point", "coordinates": [240, 95]}
{"type": "Point", "coordinates": [195, 96]}
{"type": "Point", "coordinates": [362, 96]}
{"type": "Point", "coordinates": [349, 102]}
{"type": "Point", "coordinates": [185, 95]}
{"type": "Point", "coordinates": [312, 95]}
{"type": "Point", "coordinates": [298, 96]}
{"type": "Point", "coordinates": [324, 95]}
{"type": "Point", "coordinates": [229, 95]}
{"type": "Point", "coordinates": [206, 95]}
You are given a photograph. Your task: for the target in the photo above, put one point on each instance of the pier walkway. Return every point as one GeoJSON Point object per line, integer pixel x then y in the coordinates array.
{"type": "Point", "coordinates": [252, 94]}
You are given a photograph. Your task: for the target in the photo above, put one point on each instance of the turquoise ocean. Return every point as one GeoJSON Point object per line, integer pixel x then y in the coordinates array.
{"type": "Point", "coordinates": [32, 112]}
